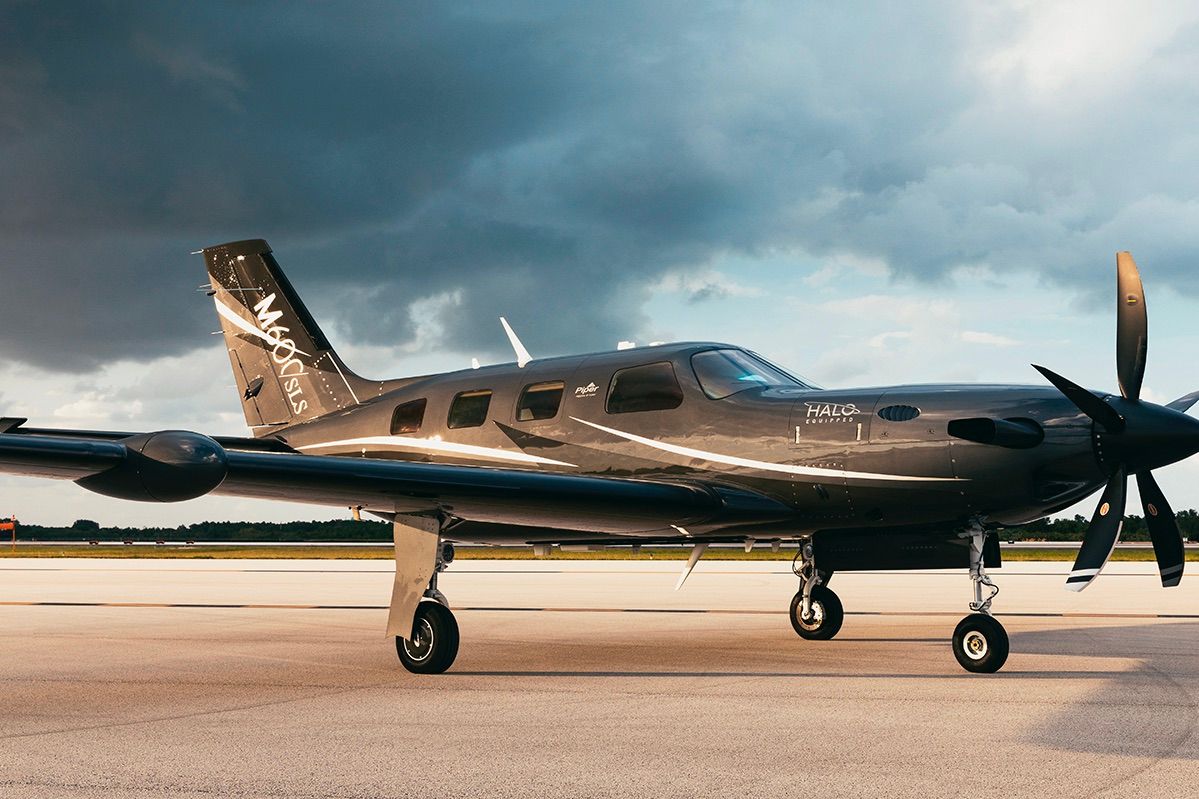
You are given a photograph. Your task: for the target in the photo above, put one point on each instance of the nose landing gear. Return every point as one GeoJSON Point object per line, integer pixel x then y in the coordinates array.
{"type": "Point", "coordinates": [816, 612]}
{"type": "Point", "coordinates": [980, 644]}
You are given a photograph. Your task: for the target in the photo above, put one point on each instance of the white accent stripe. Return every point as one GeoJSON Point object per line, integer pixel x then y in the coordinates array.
{"type": "Point", "coordinates": [1074, 584]}
{"type": "Point", "coordinates": [1171, 570]}
{"type": "Point", "coordinates": [437, 445]}
{"type": "Point", "coordinates": [732, 460]}
{"type": "Point", "coordinates": [237, 320]}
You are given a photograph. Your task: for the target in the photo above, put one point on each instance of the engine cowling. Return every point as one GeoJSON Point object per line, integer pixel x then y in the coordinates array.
{"type": "Point", "coordinates": [169, 466]}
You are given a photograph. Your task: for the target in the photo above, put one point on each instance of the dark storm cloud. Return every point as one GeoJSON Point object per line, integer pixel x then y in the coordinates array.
{"type": "Point", "coordinates": [545, 164]}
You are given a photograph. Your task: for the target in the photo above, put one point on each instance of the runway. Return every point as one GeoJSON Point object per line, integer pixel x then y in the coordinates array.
{"type": "Point", "coordinates": [140, 678]}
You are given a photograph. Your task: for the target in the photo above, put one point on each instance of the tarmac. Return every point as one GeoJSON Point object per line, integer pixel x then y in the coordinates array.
{"type": "Point", "coordinates": [183, 678]}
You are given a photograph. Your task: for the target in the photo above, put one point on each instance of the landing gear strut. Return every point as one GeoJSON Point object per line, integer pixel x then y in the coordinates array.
{"type": "Point", "coordinates": [816, 612]}
{"type": "Point", "coordinates": [425, 631]}
{"type": "Point", "coordinates": [980, 643]}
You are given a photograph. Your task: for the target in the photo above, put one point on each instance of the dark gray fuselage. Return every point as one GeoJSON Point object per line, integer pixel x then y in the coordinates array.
{"type": "Point", "coordinates": [828, 455]}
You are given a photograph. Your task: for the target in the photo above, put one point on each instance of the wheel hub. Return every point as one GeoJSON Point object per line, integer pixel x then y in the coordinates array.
{"type": "Point", "coordinates": [815, 617]}
{"type": "Point", "coordinates": [975, 645]}
{"type": "Point", "coordinates": [420, 646]}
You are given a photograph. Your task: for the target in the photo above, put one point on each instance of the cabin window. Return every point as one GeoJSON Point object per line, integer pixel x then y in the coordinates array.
{"type": "Point", "coordinates": [722, 373]}
{"type": "Point", "coordinates": [540, 401]}
{"type": "Point", "coordinates": [652, 387]}
{"type": "Point", "coordinates": [407, 418]}
{"type": "Point", "coordinates": [469, 409]}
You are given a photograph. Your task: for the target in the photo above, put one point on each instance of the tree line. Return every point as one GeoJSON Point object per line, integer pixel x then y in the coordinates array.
{"type": "Point", "coordinates": [336, 530]}
{"type": "Point", "coordinates": [347, 530]}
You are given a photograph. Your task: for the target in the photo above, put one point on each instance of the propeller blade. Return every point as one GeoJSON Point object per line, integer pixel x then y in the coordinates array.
{"type": "Point", "coordinates": [1184, 403]}
{"type": "Point", "coordinates": [1085, 401]}
{"type": "Point", "coordinates": [1163, 529]}
{"type": "Point", "coordinates": [1132, 327]}
{"type": "Point", "coordinates": [1102, 535]}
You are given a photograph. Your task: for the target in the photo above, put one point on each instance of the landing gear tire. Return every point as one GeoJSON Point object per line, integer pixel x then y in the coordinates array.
{"type": "Point", "coordinates": [434, 642]}
{"type": "Point", "coordinates": [825, 618]}
{"type": "Point", "coordinates": [980, 644]}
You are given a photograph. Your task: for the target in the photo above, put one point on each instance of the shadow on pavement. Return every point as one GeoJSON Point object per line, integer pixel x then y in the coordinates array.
{"type": "Point", "coordinates": [1148, 710]}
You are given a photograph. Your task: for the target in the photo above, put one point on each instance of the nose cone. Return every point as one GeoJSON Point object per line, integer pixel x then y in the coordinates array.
{"type": "Point", "coordinates": [1153, 436]}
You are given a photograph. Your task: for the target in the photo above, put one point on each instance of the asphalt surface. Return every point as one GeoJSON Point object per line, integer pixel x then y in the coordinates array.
{"type": "Point", "coordinates": [271, 678]}
{"type": "Point", "coordinates": [343, 544]}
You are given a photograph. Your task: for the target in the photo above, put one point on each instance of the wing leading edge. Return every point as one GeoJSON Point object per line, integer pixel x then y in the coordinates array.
{"type": "Point", "coordinates": [177, 465]}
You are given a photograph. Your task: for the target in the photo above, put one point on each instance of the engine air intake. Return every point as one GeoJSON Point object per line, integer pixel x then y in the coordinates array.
{"type": "Point", "coordinates": [899, 413]}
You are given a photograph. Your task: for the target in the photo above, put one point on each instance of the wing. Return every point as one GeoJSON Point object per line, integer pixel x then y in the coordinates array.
{"type": "Point", "coordinates": [178, 465]}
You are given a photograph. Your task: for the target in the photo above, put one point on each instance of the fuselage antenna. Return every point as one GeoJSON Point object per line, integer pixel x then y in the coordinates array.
{"type": "Point", "coordinates": [522, 355]}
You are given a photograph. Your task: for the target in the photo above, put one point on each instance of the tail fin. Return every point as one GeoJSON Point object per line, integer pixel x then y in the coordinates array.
{"type": "Point", "coordinates": [285, 368]}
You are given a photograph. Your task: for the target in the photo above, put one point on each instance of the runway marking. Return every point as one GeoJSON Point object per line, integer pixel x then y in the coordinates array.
{"type": "Point", "coordinates": [714, 611]}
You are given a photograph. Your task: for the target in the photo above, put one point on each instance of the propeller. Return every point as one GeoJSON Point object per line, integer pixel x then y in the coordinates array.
{"type": "Point", "coordinates": [1131, 437]}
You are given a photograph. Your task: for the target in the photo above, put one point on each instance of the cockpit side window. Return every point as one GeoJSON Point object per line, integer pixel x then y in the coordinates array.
{"type": "Point", "coordinates": [722, 373]}
{"type": "Point", "coordinates": [652, 387]}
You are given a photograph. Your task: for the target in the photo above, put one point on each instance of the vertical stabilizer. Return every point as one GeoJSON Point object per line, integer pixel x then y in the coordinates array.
{"type": "Point", "coordinates": [285, 368]}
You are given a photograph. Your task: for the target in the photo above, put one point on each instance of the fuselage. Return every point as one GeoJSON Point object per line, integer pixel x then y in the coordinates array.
{"type": "Point", "coordinates": [844, 458]}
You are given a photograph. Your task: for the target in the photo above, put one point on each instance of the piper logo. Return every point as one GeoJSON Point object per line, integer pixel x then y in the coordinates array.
{"type": "Point", "coordinates": [289, 368]}
{"type": "Point", "coordinates": [587, 390]}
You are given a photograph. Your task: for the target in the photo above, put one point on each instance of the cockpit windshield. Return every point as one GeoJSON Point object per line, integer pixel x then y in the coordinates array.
{"type": "Point", "coordinates": [722, 373]}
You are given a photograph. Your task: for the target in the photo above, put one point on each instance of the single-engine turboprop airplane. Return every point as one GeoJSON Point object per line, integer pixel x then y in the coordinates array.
{"type": "Point", "coordinates": [689, 443]}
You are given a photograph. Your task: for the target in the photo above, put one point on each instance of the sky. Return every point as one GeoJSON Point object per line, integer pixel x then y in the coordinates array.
{"type": "Point", "coordinates": [866, 194]}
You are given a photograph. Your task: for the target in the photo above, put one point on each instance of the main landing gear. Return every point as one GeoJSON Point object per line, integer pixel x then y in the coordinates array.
{"type": "Point", "coordinates": [433, 644]}
{"type": "Point", "coordinates": [424, 628]}
{"type": "Point", "coordinates": [980, 643]}
{"type": "Point", "coordinates": [816, 612]}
